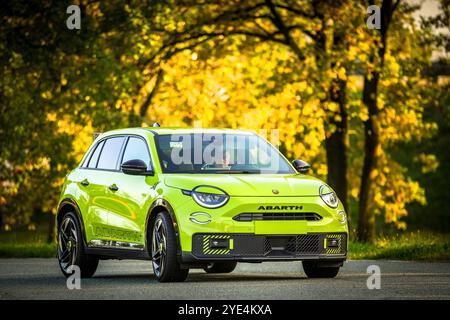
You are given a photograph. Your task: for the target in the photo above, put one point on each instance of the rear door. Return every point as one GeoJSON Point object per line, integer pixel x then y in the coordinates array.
{"type": "Point", "coordinates": [91, 188]}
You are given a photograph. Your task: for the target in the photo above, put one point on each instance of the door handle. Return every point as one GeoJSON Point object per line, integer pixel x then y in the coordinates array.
{"type": "Point", "coordinates": [113, 187]}
{"type": "Point", "coordinates": [85, 182]}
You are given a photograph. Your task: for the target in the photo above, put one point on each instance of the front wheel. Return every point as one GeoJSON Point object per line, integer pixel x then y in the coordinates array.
{"type": "Point", "coordinates": [164, 251]}
{"type": "Point", "coordinates": [315, 270]}
{"type": "Point", "coordinates": [220, 267]}
{"type": "Point", "coordinates": [71, 248]}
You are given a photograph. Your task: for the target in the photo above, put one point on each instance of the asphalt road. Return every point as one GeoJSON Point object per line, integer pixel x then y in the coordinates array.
{"type": "Point", "coordinates": [42, 279]}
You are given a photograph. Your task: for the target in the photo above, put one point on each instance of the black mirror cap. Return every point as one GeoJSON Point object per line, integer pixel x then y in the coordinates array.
{"type": "Point", "coordinates": [135, 167]}
{"type": "Point", "coordinates": [301, 166]}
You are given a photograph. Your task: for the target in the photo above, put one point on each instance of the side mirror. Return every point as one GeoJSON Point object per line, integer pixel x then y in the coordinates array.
{"type": "Point", "coordinates": [301, 166]}
{"type": "Point", "coordinates": [135, 167]}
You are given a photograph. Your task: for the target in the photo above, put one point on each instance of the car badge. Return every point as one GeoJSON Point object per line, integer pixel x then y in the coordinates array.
{"type": "Point", "coordinates": [275, 191]}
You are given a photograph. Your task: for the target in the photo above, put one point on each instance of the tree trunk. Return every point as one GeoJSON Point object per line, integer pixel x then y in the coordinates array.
{"type": "Point", "coordinates": [366, 223]}
{"type": "Point", "coordinates": [148, 100]}
{"type": "Point", "coordinates": [336, 144]}
{"type": "Point", "coordinates": [51, 229]}
{"type": "Point", "coordinates": [337, 164]}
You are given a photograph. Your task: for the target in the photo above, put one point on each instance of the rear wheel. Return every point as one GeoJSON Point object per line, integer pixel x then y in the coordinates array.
{"type": "Point", "coordinates": [315, 270]}
{"type": "Point", "coordinates": [164, 251]}
{"type": "Point", "coordinates": [71, 248]}
{"type": "Point", "coordinates": [221, 267]}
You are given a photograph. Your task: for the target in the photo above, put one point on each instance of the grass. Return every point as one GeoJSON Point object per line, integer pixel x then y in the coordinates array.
{"type": "Point", "coordinates": [38, 234]}
{"type": "Point", "coordinates": [24, 243]}
{"type": "Point", "coordinates": [408, 246]}
{"type": "Point", "coordinates": [27, 250]}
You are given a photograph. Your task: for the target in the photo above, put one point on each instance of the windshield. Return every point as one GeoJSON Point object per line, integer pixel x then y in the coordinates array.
{"type": "Point", "coordinates": [219, 153]}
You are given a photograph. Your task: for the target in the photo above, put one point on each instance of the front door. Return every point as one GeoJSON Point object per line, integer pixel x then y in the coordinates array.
{"type": "Point", "coordinates": [101, 183]}
{"type": "Point", "coordinates": [132, 195]}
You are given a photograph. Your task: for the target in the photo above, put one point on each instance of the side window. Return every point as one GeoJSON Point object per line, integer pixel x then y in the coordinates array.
{"type": "Point", "coordinates": [110, 153]}
{"type": "Point", "coordinates": [136, 149]}
{"type": "Point", "coordinates": [93, 161]}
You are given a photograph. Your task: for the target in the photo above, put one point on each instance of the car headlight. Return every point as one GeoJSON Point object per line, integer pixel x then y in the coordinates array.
{"type": "Point", "coordinates": [328, 196]}
{"type": "Point", "coordinates": [208, 196]}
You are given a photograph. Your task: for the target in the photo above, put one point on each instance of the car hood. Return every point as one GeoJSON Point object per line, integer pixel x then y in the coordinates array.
{"type": "Point", "coordinates": [249, 184]}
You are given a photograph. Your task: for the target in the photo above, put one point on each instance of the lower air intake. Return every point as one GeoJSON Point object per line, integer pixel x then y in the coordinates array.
{"type": "Point", "coordinates": [267, 246]}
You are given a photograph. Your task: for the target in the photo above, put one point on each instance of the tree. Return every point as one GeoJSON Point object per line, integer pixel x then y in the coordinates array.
{"type": "Point", "coordinates": [56, 84]}
{"type": "Point", "coordinates": [290, 65]}
{"type": "Point", "coordinates": [394, 94]}
{"type": "Point", "coordinates": [308, 28]}
{"type": "Point", "coordinates": [366, 225]}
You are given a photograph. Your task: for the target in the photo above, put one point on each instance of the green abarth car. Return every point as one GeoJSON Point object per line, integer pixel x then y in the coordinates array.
{"type": "Point", "coordinates": [196, 198]}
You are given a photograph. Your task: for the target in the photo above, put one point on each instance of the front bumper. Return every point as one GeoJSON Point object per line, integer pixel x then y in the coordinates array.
{"type": "Point", "coordinates": [224, 220]}
{"type": "Point", "coordinates": [258, 248]}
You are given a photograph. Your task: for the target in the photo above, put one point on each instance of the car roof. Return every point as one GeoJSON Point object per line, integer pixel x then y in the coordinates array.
{"type": "Point", "coordinates": [174, 130]}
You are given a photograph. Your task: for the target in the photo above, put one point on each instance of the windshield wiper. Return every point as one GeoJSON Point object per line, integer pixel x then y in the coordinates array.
{"type": "Point", "coordinates": [238, 171]}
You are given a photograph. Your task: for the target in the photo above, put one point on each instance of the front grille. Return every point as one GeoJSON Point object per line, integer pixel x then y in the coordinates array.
{"type": "Point", "coordinates": [303, 244]}
{"type": "Point", "coordinates": [267, 246]}
{"type": "Point", "coordinates": [277, 216]}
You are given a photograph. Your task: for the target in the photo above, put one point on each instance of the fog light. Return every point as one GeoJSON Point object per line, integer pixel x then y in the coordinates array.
{"type": "Point", "coordinates": [219, 243]}
{"type": "Point", "coordinates": [332, 243]}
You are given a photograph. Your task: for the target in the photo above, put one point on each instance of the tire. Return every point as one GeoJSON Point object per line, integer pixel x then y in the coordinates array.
{"type": "Point", "coordinates": [221, 267]}
{"type": "Point", "coordinates": [70, 248]}
{"type": "Point", "coordinates": [164, 251]}
{"type": "Point", "coordinates": [313, 270]}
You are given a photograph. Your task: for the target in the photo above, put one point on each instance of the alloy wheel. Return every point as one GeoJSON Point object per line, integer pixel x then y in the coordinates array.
{"type": "Point", "coordinates": [67, 243]}
{"type": "Point", "coordinates": [159, 245]}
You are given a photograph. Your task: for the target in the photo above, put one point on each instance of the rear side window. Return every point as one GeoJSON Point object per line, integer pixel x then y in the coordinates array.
{"type": "Point", "coordinates": [136, 149]}
{"type": "Point", "coordinates": [94, 158]}
{"type": "Point", "coordinates": [110, 153]}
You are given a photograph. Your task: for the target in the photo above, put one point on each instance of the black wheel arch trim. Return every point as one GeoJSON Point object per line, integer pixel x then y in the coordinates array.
{"type": "Point", "coordinates": [77, 211]}
{"type": "Point", "coordinates": [166, 205]}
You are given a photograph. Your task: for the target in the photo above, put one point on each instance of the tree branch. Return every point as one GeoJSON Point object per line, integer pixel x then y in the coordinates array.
{"type": "Point", "coordinates": [148, 100]}
{"type": "Point", "coordinates": [224, 16]}
{"type": "Point", "coordinates": [210, 36]}
{"type": "Point", "coordinates": [278, 22]}
{"type": "Point", "coordinates": [296, 11]}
